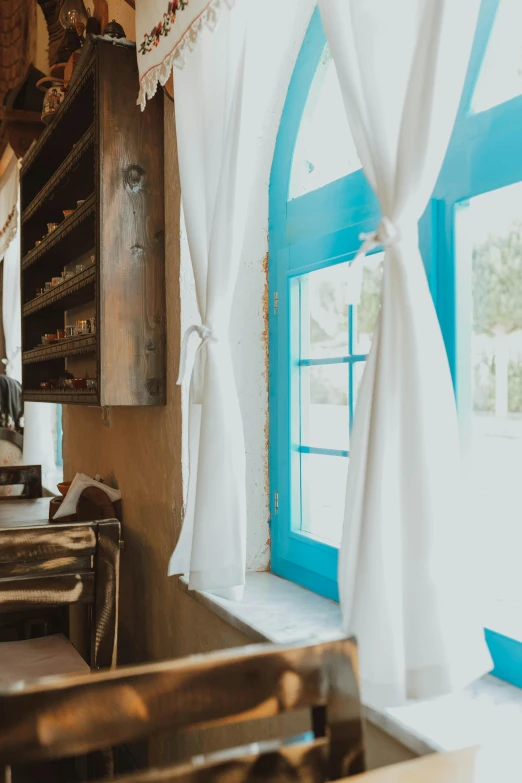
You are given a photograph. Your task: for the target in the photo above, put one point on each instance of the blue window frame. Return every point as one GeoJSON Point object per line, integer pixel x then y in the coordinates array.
{"type": "Point", "coordinates": [59, 437]}
{"type": "Point", "coordinates": [313, 230]}
{"type": "Point", "coordinates": [309, 233]}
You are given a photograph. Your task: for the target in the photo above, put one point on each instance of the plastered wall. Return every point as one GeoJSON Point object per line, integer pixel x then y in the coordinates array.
{"type": "Point", "coordinates": [139, 450]}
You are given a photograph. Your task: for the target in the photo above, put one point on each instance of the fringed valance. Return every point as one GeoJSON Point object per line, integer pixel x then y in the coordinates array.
{"type": "Point", "coordinates": [165, 33]}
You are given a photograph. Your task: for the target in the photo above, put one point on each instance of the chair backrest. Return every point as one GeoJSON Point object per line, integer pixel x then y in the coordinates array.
{"type": "Point", "coordinates": [58, 565]}
{"type": "Point", "coordinates": [76, 714]}
{"type": "Point", "coordinates": [28, 475]}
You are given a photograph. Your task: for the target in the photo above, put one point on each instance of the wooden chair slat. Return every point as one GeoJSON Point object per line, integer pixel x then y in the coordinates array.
{"type": "Point", "coordinates": [21, 592]}
{"type": "Point", "coordinates": [78, 714]}
{"type": "Point", "coordinates": [299, 763]}
{"type": "Point", "coordinates": [60, 565]}
{"type": "Point", "coordinates": [37, 543]}
{"type": "Point", "coordinates": [105, 638]}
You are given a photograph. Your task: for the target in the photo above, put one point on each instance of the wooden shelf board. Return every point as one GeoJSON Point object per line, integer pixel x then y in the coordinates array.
{"type": "Point", "coordinates": [71, 346]}
{"type": "Point", "coordinates": [65, 227]}
{"type": "Point", "coordinates": [70, 162]}
{"type": "Point", "coordinates": [61, 292]}
{"type": "Point", "coordinates": [32, 154]}
{"type": "Point", "coordinates": [65, 396]}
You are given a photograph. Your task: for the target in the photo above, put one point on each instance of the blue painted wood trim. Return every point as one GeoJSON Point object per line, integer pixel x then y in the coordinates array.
{"type": "Point", "coordinates": [325, 452]}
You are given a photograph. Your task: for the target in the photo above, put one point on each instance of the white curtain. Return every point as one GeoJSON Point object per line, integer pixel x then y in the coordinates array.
{"type": "Point", "coordinates": [209, 106]}
{"type": "Point", "coordinates": [38, 416]}
{"type": "Point", "coordinates": [9, 186]}
{"type": "Point", "coordinates": [403, 585]}
{"type": "Point", "coordinates": [11, 315]}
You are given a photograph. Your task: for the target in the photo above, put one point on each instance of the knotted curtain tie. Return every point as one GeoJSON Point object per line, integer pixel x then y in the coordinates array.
{"type": "Point", "coordinates": [385, 235]}
{"type": "Point", "coordinates": [205, 333]}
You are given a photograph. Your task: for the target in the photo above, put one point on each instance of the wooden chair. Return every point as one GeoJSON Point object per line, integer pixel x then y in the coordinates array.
{"type": "Point", "coordinates": [55, 566]}
{"type": "Point", "coordinates": [78, 714]}
{"type": "Point", "coordinates": [28, 475]}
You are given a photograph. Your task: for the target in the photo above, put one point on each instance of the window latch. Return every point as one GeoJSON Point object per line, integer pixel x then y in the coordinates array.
{"type": "Point", "coordinates": [276, 302]}
{"type": "Point", "coordinates": [276, 502]}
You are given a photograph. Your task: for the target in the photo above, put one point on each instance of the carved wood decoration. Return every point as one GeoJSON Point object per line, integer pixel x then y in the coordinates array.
{"type": "Point", "coordinates": [80, 714]}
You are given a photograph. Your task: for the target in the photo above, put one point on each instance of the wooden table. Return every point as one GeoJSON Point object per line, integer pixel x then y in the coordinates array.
{"type": "Point", "coordinates": [495, 764]}
{"type": "Point", "coordinates": [20, 513]}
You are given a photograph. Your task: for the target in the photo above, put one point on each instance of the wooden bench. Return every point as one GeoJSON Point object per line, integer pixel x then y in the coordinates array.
{"type": "Point", "coordinates": [78, 714]}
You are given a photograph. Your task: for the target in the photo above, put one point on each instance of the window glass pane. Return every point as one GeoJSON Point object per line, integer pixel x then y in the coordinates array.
{"type": "Point", "coordinates": [324, 406]}
{"type": "Point", "coordinates": [358, 370]}
{"type": "Point", "coordinates": [370, 304]}
{"type": "Point", "coordinates": [324, 297]}
{"type": "Point", "coordinates": [326, 316]}
{"type": "Point", "coordinates": [324, 149]}
{"type": "Point", "coordinates": [324, 489]}
{"type": "Point", "coordinates": [329, 330]}
{"type": "Point", "coordinates": [500, 77]}
{"type": "Point", "coordinates": [489, 233]}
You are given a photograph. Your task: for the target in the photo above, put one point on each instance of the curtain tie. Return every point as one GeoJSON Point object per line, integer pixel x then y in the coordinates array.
{"type": "Point", "coordinates": [205, 333]}
{"type": "Point", "coordinates": [385, 235]}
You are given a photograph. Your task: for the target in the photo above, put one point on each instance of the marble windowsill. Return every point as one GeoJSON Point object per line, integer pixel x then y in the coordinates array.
{"type": "Point", "coordinates": [276, 610]}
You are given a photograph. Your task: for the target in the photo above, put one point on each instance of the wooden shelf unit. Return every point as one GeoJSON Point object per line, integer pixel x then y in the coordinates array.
{"type": "Point", "coordinates": [102, 150]}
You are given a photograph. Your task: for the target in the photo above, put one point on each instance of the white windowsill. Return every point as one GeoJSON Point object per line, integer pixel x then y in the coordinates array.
{"type": "Point", "coordinates": [276, 610]}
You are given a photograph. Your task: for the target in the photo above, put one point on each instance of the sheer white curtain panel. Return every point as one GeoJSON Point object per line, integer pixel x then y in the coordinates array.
{"type": "Point", "coordinates": [403, 582]}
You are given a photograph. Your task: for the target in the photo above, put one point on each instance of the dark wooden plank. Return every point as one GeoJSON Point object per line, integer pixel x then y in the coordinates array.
{"type": "Point", "coordinates": [38, 151]}
{"type": "Point", "coordinates": [64, 230]}
{"type": "Point", "coordinates": [132, 271]}
{"type": "Point", "coordinates": [80, 714]}
{"type": "Point", "coordinates": [58, 565]}
{"type": "Point", "coordinates": [79, 397]}
{"type": "Point", "coordinates": [63, 171]}
{"type": "Point", "coordinates": [104, 635]}
{"type": "Point", "coordinates": [300, 763]}
{"type": "Point", "coordinates": [17, 593]}
{"type": "Point", "coordinates": [46, 542]}
{"type": "Point", "coordinates": [68, 290]}
{"type": "Point", "coordinates": [72, 346]}
{"type": "Point", "coordinates": [24, 513]}
{"type": "Point", "coordinates": [343, 712]}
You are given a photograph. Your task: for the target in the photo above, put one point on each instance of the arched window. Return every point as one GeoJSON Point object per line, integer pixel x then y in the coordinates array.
{"type": "Point", "coordinates": [319, 203]}
{"type": "Point", "coordinates": [471, 243]}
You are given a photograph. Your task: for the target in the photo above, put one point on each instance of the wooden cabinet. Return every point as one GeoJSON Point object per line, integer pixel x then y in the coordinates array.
{"type": "Point", "coordinates": [102, 158]}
